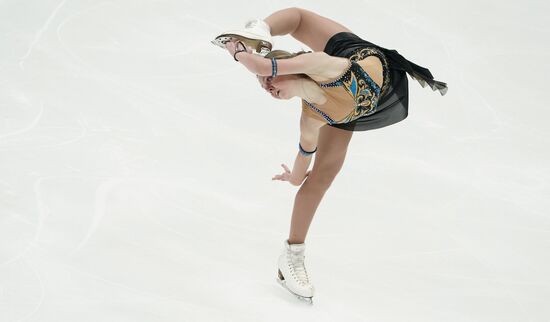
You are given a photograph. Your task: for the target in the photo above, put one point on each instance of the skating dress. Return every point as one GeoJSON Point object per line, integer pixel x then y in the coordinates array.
{"type": "Point", "coordinates": [353, 94]}
{"type": "Point", "coordinates": [354, 100]}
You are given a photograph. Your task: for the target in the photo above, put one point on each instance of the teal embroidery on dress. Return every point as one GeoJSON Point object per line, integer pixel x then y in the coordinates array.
{"type": "Point", "coordinates": [353, 86]}
{"type": "Point", "coordinates": [362, 87]}
{"type": "Point", "coordinates": [363, 53]}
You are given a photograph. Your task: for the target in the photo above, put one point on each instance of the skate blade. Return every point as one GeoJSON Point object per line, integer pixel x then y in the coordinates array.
{"type": "Point", "coordinates": [282, 282]}
{"type": "Point", "coordinates": [262, 47]}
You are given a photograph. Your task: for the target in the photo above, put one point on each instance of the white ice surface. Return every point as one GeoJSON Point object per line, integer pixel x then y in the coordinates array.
{"type": "Point", "coordinates": [135, 178]}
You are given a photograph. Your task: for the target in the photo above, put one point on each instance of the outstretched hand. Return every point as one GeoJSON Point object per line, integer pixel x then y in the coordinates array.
{"type": "Point", "coordinates": [287, 176]}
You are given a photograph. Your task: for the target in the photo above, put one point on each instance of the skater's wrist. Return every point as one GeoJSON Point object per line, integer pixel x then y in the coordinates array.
{"type": "Point", "coordinates": [304, 152]}
{"type": "Point", "coordinates": [251, 62]}
{"type": "Point", "coordinates": [299, 170]}
{"type": "Point", "coordinates": [295, 179]}
{"type": "Point", "coordinates": [257, 64]}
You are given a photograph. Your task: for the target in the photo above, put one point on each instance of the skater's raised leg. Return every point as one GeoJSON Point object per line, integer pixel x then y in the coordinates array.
{"type": "Point", "coordinates": [306, 26]}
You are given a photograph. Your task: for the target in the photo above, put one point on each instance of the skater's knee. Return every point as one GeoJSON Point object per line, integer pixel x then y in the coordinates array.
{"type": "Point", "coordinates": [284, 21]}
{"type": "Point", "coordinates": [296, 11]}
{"type": "Point", "coordinates": [321, 181]}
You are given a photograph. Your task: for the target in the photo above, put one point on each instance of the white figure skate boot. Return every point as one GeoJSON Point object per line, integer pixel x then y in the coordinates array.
{"type": "Point", "coordinates": [256, 34]}
{"type": "Point", "coordinates": [292, 273]}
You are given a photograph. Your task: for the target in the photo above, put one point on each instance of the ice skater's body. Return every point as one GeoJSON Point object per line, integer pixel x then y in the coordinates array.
{"type": "Point", "coordinates": [305, 75]}
{"type": "Point", "coordinates": [331, 143]}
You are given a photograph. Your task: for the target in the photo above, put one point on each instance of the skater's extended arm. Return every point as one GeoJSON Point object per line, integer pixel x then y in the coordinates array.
{"type": "Point", "coordinates": [309, 134]}
{"type": "Point", "coordinates": [310, 63]}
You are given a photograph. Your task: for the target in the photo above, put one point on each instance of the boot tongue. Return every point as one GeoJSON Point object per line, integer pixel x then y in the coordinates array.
{"type": "Point", "coordinates": [297, 248]}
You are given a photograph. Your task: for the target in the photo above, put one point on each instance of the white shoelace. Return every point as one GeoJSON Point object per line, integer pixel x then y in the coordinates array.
{"type": "Point", "coordinates": [300, 272]}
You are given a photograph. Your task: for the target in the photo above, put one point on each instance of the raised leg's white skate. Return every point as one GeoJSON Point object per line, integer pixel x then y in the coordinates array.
{"type": "Point", "coordinates": [292, 273]}
{"type": "Point", "coordinates": [256, 34]}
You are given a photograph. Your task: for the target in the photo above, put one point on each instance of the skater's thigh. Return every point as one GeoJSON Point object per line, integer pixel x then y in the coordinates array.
{"type": "Point", "coordinates": [315, 30]}
{"type": "Point", "coordinates": [332, 146]}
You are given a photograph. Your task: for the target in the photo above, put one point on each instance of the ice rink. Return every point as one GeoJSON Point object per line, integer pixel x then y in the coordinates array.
{"type": "Point", "coordinates": [135, 177]}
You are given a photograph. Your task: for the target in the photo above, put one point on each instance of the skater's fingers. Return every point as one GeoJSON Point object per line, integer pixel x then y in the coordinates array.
{"type": "Point", "coordinates": [285, 167]}
{"type": "Point", "coordinates": [230, 47]}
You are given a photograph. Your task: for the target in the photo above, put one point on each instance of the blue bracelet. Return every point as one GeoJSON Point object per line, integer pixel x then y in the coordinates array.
{"type": "Point", "coordinates": [273, 67]}
{"type": "Point", "coordinates": [304, 152]}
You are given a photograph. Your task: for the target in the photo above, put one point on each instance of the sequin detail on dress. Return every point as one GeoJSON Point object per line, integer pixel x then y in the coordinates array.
{"type": "Point", "coordinates": [323, 114]}
{"type": "Point", "coordinates": [363, 53]}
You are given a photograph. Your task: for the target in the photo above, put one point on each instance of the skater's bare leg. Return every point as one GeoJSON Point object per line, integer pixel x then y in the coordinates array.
{"type": "Point", "coordinates": [306, 26]}
{"type": "Point", "coordinates": [314, 31]}
{"type": "Point", "coordinates": [331, 151]}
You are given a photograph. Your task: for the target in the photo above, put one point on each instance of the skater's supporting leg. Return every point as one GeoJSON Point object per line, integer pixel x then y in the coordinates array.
{"type": "Point", "coordinates": [314, 31]}
{"type": "Point", "coordinates": [331, 152]}
{"type": "Point", "coordinates": [306, 26]}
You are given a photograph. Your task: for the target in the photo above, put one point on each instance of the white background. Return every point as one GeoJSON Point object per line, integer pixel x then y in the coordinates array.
{"type": "Point", "coordinates": [136, 162]}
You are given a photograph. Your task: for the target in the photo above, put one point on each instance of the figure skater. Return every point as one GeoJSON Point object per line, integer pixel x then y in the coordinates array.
{"type": "Point", "coordinates": [346, 84]}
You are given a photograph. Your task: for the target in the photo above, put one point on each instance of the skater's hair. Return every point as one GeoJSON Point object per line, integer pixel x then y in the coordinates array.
{"type": "Point", "coordinates": [283, 54]}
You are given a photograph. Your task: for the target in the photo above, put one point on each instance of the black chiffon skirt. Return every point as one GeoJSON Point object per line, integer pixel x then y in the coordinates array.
{"type": "Point", "coordinates": [393, 103]}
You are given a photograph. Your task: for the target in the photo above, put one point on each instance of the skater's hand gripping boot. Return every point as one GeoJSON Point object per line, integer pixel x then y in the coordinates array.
{"type": "Point", "coordinates": [256, 34]}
